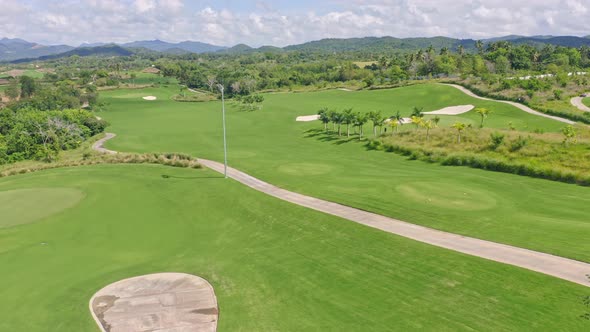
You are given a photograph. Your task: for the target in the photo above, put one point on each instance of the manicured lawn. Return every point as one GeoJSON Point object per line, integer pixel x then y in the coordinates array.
{"type": "Point", "coordinates": [586, 101]}
{"type": "Point", "coordinates": [537, 214]}
{"type": "Point", "coordinates": [274, 266]}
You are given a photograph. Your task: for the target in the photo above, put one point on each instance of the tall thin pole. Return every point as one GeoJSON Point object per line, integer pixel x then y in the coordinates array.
{"type": "Point", "coordinates": [224, 131]}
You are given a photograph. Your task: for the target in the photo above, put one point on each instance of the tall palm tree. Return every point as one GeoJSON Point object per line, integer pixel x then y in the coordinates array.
{"type": "Point", "coordinates": [324, 117]}
{"type": "Point", "coordinates": [348, 118]}
{"type": "Point", "coordinates": [377, 118]}
{"type": "Point", "coordinates": [417, 111]}
{"type": "Point", "coordinates": [333, 118]}
{"type": "Point", "coordinates": [339, 119]}
{"type": "Point", "coordinates": [483, 113]}
{"type": "Point", "coordinates": [459, 127]}
{"type": "Point", "coordinates": [360, 120]}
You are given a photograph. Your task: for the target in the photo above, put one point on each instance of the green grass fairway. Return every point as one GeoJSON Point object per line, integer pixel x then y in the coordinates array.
{"type": "Point", "coordinates": [274, 266]}
{"type": "Point", "coordinates": [537, 214]}
{"type": "Point", "coordinates": [586, 101]}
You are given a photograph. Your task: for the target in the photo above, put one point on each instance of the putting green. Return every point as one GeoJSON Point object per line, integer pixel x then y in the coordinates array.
{"type": "Point", "coordinates": [24, 206]}
{"type": "Point", "coordinates": [456, 196]}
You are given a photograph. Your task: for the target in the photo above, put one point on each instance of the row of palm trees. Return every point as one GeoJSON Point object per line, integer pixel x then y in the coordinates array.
{"type": "Point", "coordinates": [356, 120]}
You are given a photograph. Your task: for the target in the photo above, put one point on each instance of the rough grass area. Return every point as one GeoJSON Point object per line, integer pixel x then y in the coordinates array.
{"type": "Point", "coordinates": [274, 266]}
{"type": "Point", "coordinates": [537, 214]}
{"type": "Point", "coordinates": [544, 156]}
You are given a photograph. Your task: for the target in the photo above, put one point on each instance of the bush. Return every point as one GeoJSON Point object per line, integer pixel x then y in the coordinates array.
{"type": "Point", "coordinates": [518, 144]}
{"type": "Point", "coordinates": [496, 139]}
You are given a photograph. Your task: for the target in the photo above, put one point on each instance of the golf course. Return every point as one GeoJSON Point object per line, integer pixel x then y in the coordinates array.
{"type": "Point", "coordinates": [277, 266]}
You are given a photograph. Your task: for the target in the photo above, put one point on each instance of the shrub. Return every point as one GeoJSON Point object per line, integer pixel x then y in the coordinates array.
{"type": "Point", "coordinates": [496, 139]}
{"type": "Point", "coordinates": [518, 144]}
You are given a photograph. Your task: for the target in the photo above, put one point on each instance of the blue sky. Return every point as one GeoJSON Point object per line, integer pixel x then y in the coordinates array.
{"type": "Point", "coordinates": [280, 23]}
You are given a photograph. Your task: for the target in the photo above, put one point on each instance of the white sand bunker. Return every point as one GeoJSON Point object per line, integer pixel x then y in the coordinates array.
{"type": "Point", "coordinates": [150, 98]}
{"type": "Point", "coordinates": [345, 89]}
{"type": "Point", "coordinates": [307, 118]}
{"type": "Point", "coordinates": [453, 110]}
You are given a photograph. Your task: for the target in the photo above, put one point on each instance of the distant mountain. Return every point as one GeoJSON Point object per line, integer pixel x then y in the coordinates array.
{"type": "Point", "coordinates": [373, 44]}
{"type": "Point", "coordinates": [165, 47]}
{"type": "Point", "coordinates": [107, 50]}
{"type": "Point", "coordinates": [569, 41]}
{"type": "Point", "coordinates": [12, 49]}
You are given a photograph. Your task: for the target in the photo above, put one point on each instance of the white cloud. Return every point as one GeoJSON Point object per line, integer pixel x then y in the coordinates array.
{"type": "Point", "coordinates": [265, 22]}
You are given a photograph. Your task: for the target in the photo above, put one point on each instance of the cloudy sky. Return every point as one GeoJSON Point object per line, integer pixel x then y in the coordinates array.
{"type": "Point", "coordinates": [282, 22]}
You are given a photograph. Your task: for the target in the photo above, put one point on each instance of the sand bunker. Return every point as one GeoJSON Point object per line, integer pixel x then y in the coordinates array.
{"type": "Point", "coordinates": [150, 98]}
{"type": "Point", "coordinates": [156, 302]}
{"type": "Point", "coordinates": [345, 89]}
{"type": "Point", "coordinates": [307, 118]}
{"type": "Point", "coordinates": [453, 110]}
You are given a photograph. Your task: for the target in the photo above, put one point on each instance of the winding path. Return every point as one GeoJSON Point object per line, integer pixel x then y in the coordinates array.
{"type": "Point", "coordinates": [563, 268]}
{"type": "Point", "coordinates": [517, 105]}
{"type": "Point", "coordinates": [98, 145]}
{"type": "Point", "coordinates": [578, 102]}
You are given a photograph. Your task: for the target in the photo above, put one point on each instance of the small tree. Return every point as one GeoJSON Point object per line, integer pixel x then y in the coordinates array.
{"type": "Point", "coordinates": [417, 121]}
{"type": "Point", "coordinates": [570, 135]}
{"type": "Point", "coordinates": [436, 120]}
{"type": "Point", "coordinates": [394, 124]}
{"type": "Point", "coordinates": [12, 90]}
{"type": "Point", "coordinates": [28, 87]}
{"type": "Point", "coordinates": [459, 127]}
{"type": "Point", "coordinates": [483, 113]}
{"type": "Point", "coordinates": [428, 125]}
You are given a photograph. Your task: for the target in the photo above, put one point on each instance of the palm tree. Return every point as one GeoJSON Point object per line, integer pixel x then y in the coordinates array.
{"type": "Point", "coordinates": [483, 112]}
{"type": "Point", "coordinates": [394, 124]}
{"type": "Point", "coordinates": [359, 121]}
{"type": "Point", "coordinates": [348, 118]}
{"type": "Point", "coordinates": [417, 111]}
{"type": "Point", "coordinates": [377, 118]}
{"type": "Point", "coordinates": [398, 119]}
{"type": "Point", "coordinates": [461, 50]}
{"type": "Point", "coordinates": [324, 117]}
{"type": "Point", "coordinates": [333, 115]}
{"type": "Point", "coordinates": [479, 46]}
{"type": "Point", "coordinates": [459, 127]}
{"type": "Point", "coordinates": [428, 125]}
{"type": "Point", "coordinates": [436, 120]}
{"type": "Point", "coordinates": [339, 119]}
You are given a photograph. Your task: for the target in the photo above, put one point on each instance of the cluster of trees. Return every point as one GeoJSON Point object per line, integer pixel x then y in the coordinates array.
{"type": "Point", "coordinates": [29, 133]}
{"type": "Point", "coordinates": [243, 74]}
{"type": "Point", "coordinates": [26, 92]}
{"type": "Point", "coordinates": [43, 118]}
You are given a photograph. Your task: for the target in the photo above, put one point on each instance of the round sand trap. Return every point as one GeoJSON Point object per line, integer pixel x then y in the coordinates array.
{"type": "Point", "coordinates": [307, 118]}
{"type": "Point", "coordinates": [150, 98]}
{"type": "Point", "coordinates": [166, 302]}
{"type": "Point", "coordinates": [453, 110]}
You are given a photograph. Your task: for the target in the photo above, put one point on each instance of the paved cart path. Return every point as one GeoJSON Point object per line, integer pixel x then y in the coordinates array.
{"type": "Point", "coordinates": [577, 101]}
{"type": "Point", "coordinates": [517, 105]}
{"type": "Point", "coordinates": [564, 268]}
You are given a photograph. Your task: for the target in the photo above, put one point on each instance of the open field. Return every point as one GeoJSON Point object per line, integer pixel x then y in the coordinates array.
{"type": "Point", "coordinates": [536, 214]}
{"type": "Point", "coordinates": [274, 265]}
